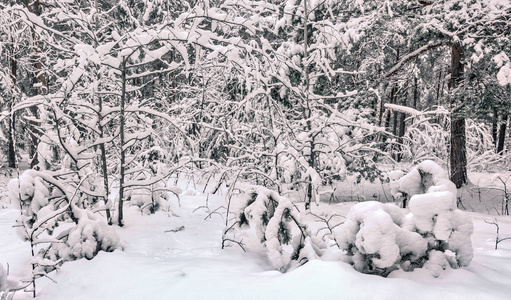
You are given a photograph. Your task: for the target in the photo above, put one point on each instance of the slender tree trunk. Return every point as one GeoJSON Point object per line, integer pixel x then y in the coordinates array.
{"type": "Point", "coordinates": [104, 169]}
{"type": "Point", "coordinates": [494, 127]}
{"type": "Point", "coordinates": [307, 110]}
{"type": "Point", "coordinates": [439, 87]}
{"type": "Point", "coordinates": [381, 108]}
{"type": "Point", "coordinates": [401, 133]}
{"type": "Point", "coordinates": [415, 92]}
{"type": "Point", "coordinates": [11, 153]}
{"type": "Point", "coordinates": [393, 92]}
{"type": "Point", "coordinates": [392, 100]}
{"type": "Point", "coordinates": [35, 8]}
{"type": "Point", "coordinates": [122, 120]}
{"type": "Point", "coordinates": [502, 133]}
{"type": "Point", "coordinates": [102, 147]}
{"type": "Point", "coordinates": [458, 157]}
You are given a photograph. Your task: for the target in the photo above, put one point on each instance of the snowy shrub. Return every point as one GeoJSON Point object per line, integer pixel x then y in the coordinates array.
{"type": "Point", "coordinates": [86, 239]}
{"type": "Point", "coordinates": [277, 226]}
{"type": "Point", "coordinates": [445, 227]}
{"type": "Point", "coordinates": [57, 228]}
{"type": "Point", "coordinates": [379, 238]}
{"type": "Point", "coordinates": [419, 180]}
{"type": "Point", "coordinates": [29, 194]}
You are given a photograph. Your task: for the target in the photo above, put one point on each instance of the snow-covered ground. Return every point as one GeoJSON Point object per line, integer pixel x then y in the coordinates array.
{"type": "Point", "coordinates": [158, 263]}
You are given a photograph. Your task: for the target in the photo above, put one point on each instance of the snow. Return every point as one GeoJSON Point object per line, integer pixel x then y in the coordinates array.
{"type": "Point", "coordinates": [190, 264]}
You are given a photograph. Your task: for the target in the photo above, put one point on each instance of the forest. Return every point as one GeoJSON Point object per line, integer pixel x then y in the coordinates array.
{"type": "Point", "coordinates": [303, 144]}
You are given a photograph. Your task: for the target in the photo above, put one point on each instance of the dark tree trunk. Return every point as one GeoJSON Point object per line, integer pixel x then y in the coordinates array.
{"type": "Point", "coordinates": [11, 152]}
{"type": "Point", "coordinates": [393, 92]}
{"type": "Point", "coordinates": [458, 158]}
{"type": "Point", "coordinates": [401, 133]}
{"type": "Point", "coordinates": [458, 152]}
{"type": "Point", "coordinates": [494, 127]}
{"type": "Point", "coordinates": [502, 133]}
{"type": "Point", "coordinates": [415, 92]}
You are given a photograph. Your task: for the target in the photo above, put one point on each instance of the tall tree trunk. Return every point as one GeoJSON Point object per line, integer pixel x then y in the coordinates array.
{"type": "Point", "coordinates": [494, 126]}
{"type": "Point", "coordinates": [439, 87]}
{"type": "Point", "coordinates": [381, 107]}
{"type": "Point", "coordinates": [11, 152]}
{"type": "Point", "coordinates": [35, 8]}
{"type": "Point", "coordinates": [502, 133]}
{"type": "Point", "coordinates": [307, 108]}
{"type": "Point", "coordinates": [458, 158]}
{"type": "Point", "coordinates": [401, 133]}
{"type": "Point", "coordinates": [392, 100]}
{"type": "Point", "coordinates": [392, 97]}
{"type": "Point", "coordinates": [122, 120]}
{"type": "Point", "coordinates": [102, 146]}
{"type": "Point", "coordinates": [415, 92]}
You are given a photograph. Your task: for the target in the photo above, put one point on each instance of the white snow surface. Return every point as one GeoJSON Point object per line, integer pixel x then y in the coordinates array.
{"type": "Point", "coordinates": [190, 264]}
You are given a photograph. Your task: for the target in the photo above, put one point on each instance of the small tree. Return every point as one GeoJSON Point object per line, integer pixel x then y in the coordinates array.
{"type": "Point", "coordinates": [285, 238]}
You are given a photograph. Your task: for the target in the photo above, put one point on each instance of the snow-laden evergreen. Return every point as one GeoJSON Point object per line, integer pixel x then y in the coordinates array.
{"type": "Point", "coordinates": [278, 227]}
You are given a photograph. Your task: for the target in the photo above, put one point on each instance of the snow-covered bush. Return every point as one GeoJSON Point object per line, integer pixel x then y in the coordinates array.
{"type": "Point", "coordinates": [276, 224]}
{"type": "Point", "coordinates": [379, 238]}
{"type": "Point", "coordinates": [419, 180]}
{"type": "Point", "coordinates": [29, 194]}
{"type": "Point", "coordinates": [56, 227]}
{"type": "Point", "coordinates": [86, 239]}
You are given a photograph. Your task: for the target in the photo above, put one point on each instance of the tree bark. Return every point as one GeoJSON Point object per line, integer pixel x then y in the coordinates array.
{"type": "Point", "coordinates": [502, 133]}
{"type": "Point", "coordinates": [415, 92]}
{"type": "Point", "coordinates": [458, 157]}
{"type": "Point", "coordinates": [494, 127]}
{"type": "Point", "coordinates": [11, 152]}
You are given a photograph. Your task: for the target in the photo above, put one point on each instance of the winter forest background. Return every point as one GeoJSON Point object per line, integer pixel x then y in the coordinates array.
{"type": "Point", "coordinates": [273, 147]}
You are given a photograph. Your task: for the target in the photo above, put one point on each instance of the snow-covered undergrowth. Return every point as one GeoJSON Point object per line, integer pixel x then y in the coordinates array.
{"type": "Point", "coordinates": [376, 238]}
{"type": "Point", "coordinates": [179, 253]}
{"type": "Point", "coordinates": [190, 264]}
{"type": "Point", "coordinates": [55, 223]}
